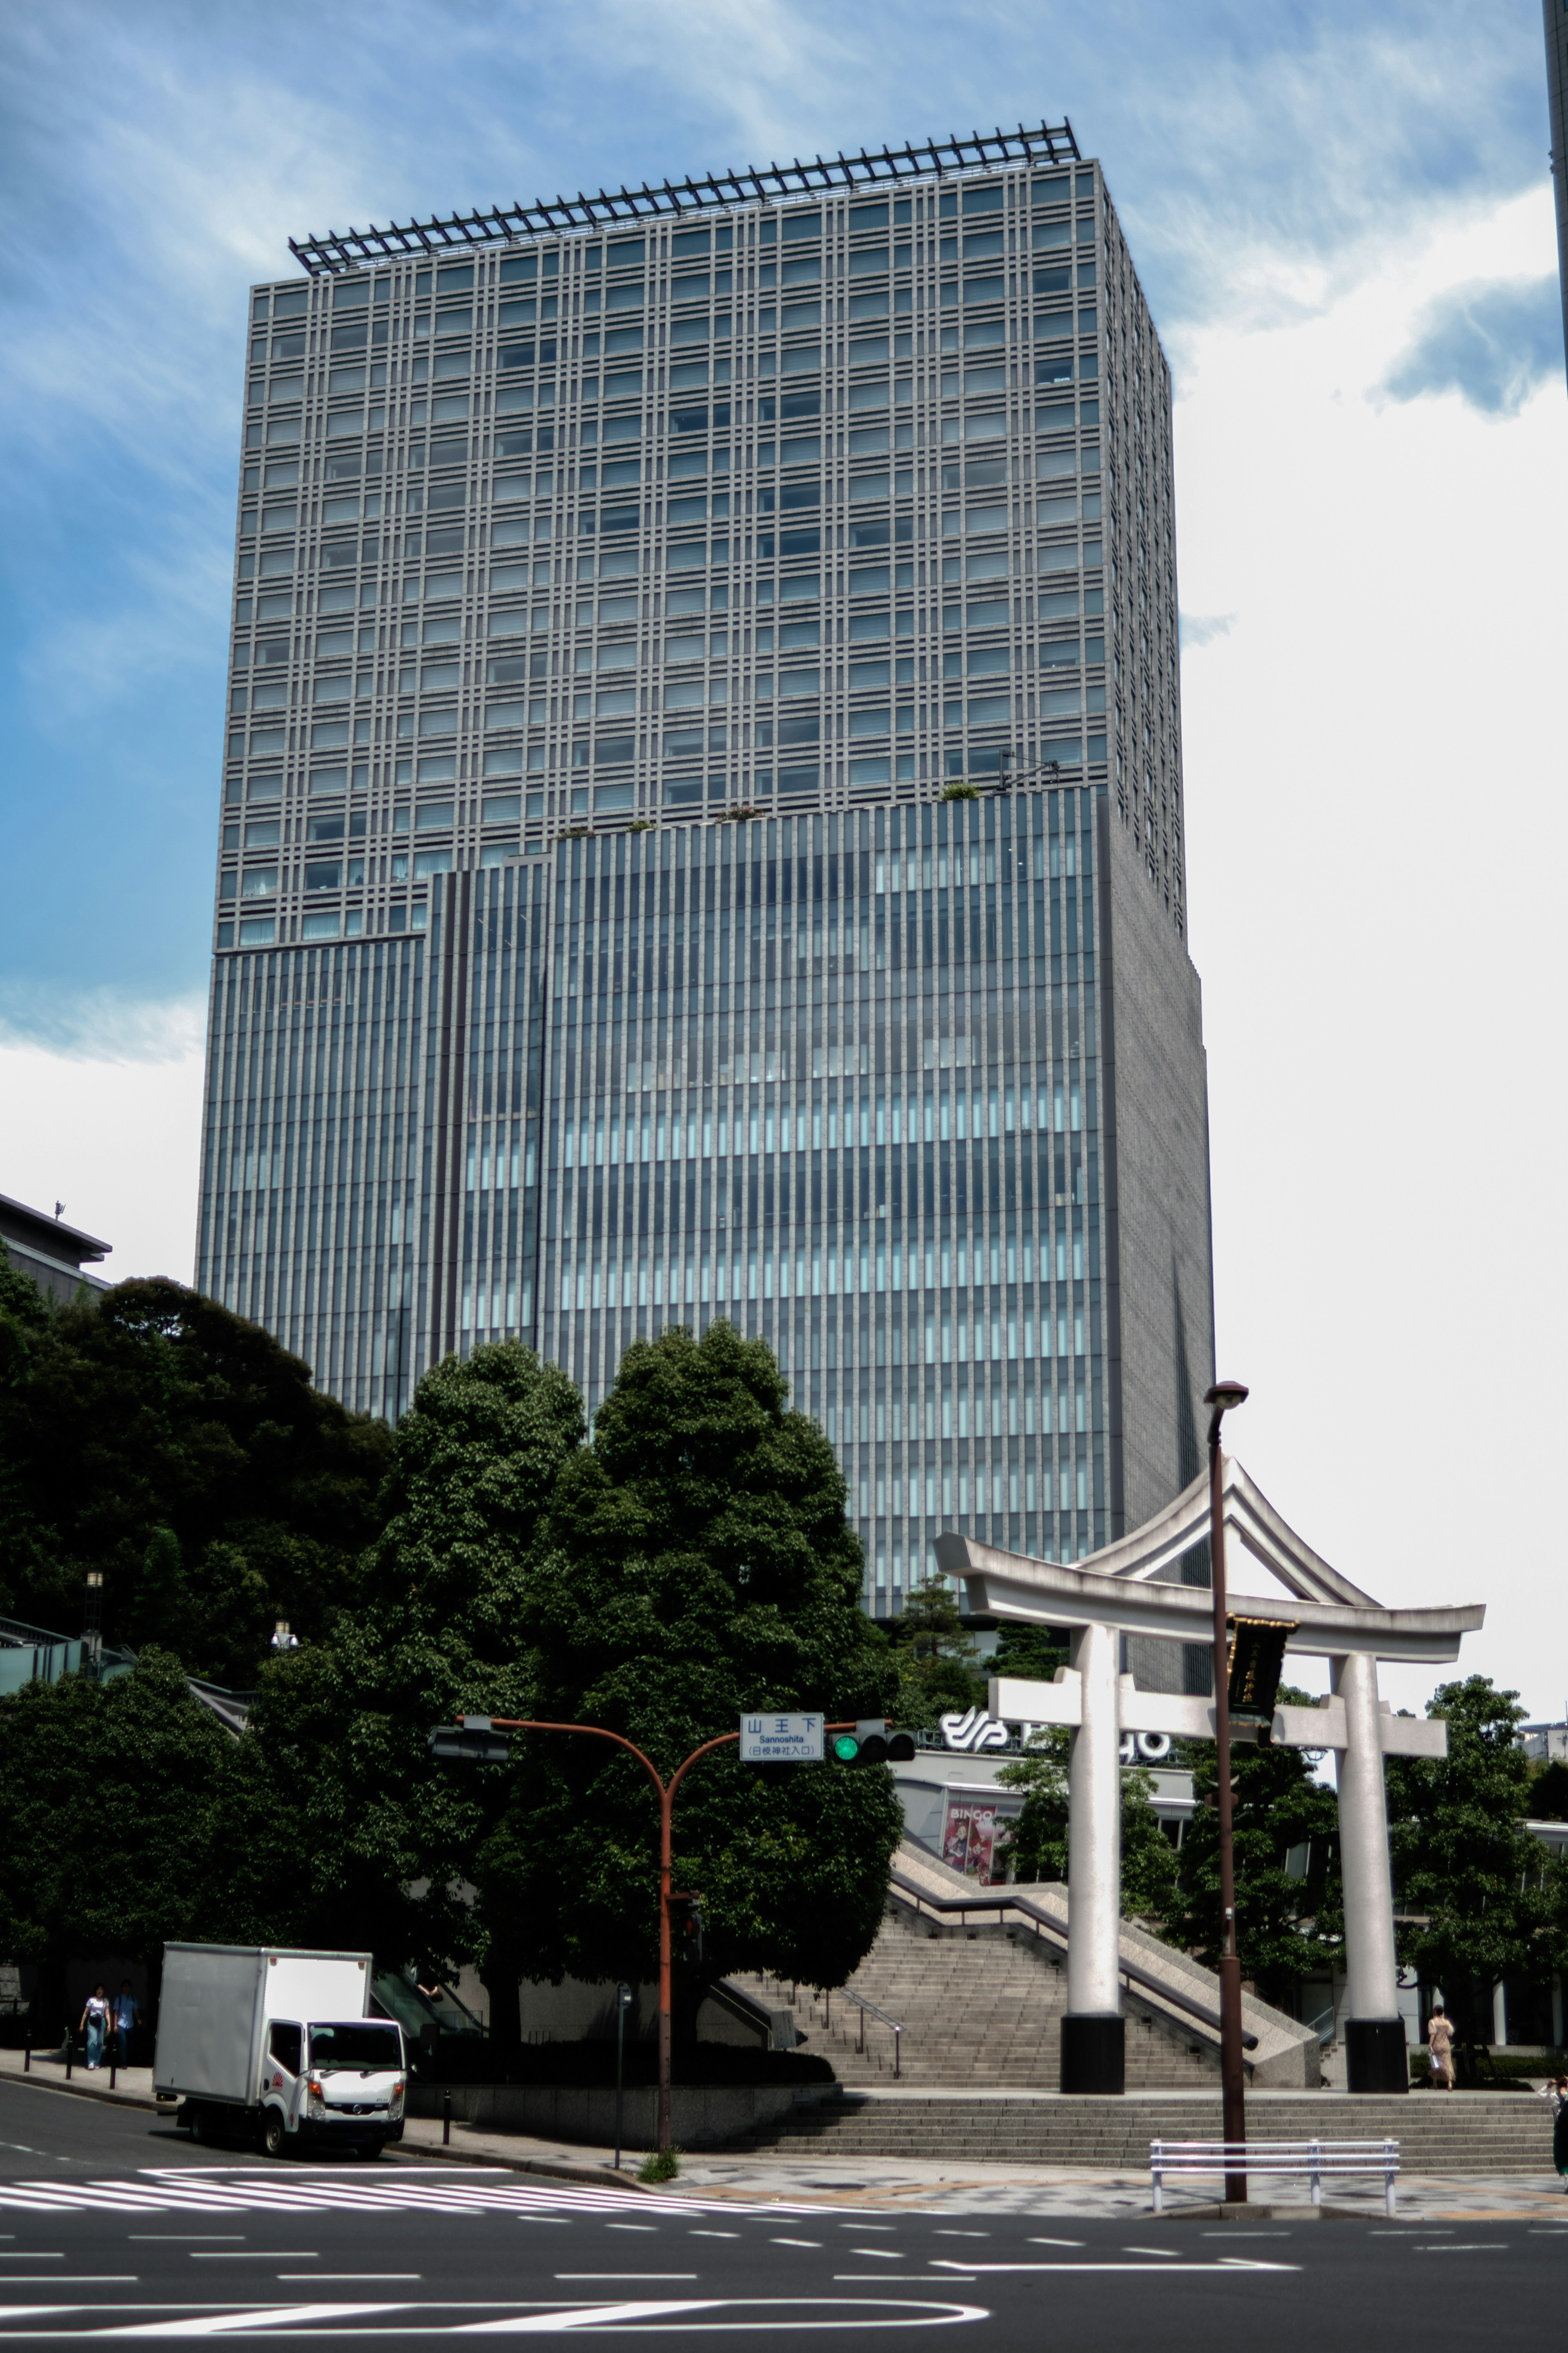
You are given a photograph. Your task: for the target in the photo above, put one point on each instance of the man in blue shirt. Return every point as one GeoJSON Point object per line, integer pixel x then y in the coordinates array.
{"type": "Point", "coordinates": [127, 2017]}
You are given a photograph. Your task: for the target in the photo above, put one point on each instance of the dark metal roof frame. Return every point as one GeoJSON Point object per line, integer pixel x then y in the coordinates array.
{"type": "Point", "coordinates": [1052, 143]}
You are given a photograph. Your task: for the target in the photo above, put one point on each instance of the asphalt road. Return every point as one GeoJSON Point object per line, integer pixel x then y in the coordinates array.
{"type": "Point", "coordinates": [112, 2227]}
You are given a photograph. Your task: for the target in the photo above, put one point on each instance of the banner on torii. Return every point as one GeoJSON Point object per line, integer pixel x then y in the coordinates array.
{"type": "Point", "coordinates": [1123, 1589]}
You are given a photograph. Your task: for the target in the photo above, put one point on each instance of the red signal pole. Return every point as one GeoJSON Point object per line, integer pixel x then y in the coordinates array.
{"type": "Point", "coordinates": [666, 1791]}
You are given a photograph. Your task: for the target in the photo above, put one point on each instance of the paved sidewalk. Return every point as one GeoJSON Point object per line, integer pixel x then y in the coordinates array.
{"type": "Point", "coordinates": [131, 2086]}
{"type": "Point", "coordinates": [925, 2185]}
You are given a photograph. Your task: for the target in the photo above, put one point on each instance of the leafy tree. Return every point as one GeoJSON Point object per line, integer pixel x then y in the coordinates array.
{"type": "Point", "coordinates": [1287, 1923]}
{"type": "Point", "coordinates": [24, 1319]}
{"type": "Point", "coordinates": [1036, 1844]}
{"type": "Point", "coordinates": [1546, 1801]}
{"type": "Point", "coordinates": [337, 1814]}
{"type": "Point", "coordinates": [1032, 1653]}
{"type": "Point", "coordinates": [1472, 1905]}
{"type": "Point", "coordinates": [106, 1793]}
{"type": "Point", "coordinates": [699, 1564]}
{"type": "Point", "coordinates": [182, 1452]}
{"type": "Point", "coordinates": [936, 1658]}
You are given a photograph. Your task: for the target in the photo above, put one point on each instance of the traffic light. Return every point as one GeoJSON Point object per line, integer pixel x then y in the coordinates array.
{"type": "Point", "coordinates": [874, 1742]}
{"type": "Point", "coordinates": [686, 1930]}
{"type": "Point", "coordinates": [472, 1741]}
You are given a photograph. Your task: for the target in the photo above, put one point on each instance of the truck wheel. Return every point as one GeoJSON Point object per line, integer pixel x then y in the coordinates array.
{"type": "Point", "coordinates": [274, 2138]}
{"type": "Point", "coordinates": [199, 2121]}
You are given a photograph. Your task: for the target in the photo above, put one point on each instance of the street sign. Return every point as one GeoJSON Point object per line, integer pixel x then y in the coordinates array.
{"type": "Point", "coordinates": [781, 1739]}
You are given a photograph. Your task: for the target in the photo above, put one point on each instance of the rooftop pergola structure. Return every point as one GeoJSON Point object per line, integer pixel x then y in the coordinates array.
{"type": "Point", "coordinates": [1125, 1588]}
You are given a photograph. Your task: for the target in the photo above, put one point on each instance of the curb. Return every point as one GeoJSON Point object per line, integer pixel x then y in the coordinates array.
{"type": "Point", "coordinates": [597, 2177]}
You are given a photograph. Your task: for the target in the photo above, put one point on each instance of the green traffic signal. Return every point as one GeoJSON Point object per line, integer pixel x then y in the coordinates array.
{"type": "Point", "coordinates": [846, 1748]}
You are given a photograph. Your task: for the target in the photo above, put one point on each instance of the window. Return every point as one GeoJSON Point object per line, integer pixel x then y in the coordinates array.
{"type": "Point", "coordinates": [324, 877]}
{"type": "Point", "coordinates": [285, 2045]}
{"type": "Point", "coordinates": [259, 883]}
{"type": "Point", "coordinates": [431, 861]}
{"type": "Point", "coordinates": [431, 815]}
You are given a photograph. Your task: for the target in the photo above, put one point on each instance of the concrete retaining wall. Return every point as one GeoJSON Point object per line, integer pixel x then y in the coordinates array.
{"type": "Point", "coordinates": [701, 2118]}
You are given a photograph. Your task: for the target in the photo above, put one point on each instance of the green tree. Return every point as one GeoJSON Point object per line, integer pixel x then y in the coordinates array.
{"type": "Point", "coordinates": [1036, 1846]}
{"type": "Point", "coordinates": [1472, 1906]}
{"type": "Point", "coordinates": [699, 1564]}
{"type": "Point", "coordinates": [179, 1451]}
{"type": "Point", "coordinates": [936, 1658]}
{"type": "Point", "coordinates": [106, 1798]}
{"type": "Point", "coordinates": [24, 1320]}
{"type": "Point", "coordinates": [1032, 1653]}
{"type": "Point", "coordinates": [338, 1824]}
{"type": "Point", "coordinates": [1288, 1919]}
{"type": "Point", "coordinates": [1546, 1801]}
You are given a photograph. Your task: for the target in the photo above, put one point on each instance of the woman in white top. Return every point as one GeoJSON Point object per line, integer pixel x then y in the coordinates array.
{"type": "Point", "coordinates": [95, 2025]}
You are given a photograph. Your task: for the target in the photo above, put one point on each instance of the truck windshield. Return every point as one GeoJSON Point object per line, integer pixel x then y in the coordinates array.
{"type": "Point", "coordinates": [357, 2042]}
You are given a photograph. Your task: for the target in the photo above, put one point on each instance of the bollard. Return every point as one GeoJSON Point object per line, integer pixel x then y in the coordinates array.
{"type": "Point", "coordinates": [68, 2055]}
{"type": "Point", "coordinates": [445, 2119]}
{"type": "Point", "coordinates": [27, 2051]}
{"type": "Point", "coordinates": [112, 2067]}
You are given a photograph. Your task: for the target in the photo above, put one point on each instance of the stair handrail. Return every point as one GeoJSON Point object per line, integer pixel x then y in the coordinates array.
{"type": "Point", "coordinates": [862, 2005]}
{"type": "Point", "coordinates": [1043, 1924]}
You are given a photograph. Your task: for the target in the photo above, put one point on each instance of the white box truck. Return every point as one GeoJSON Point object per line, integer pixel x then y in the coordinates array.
{"type": "Point", "coordinates": [280, 2045]}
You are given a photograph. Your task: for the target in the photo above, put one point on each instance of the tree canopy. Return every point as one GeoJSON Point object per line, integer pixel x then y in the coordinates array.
{"type": "Point", "coordinates": [147, 1433]}
{"type": "Point", "coordinates": [696, 1563]}
{"type": "Point", "coordinates": [1038, 1847]}
{"type": "Point", "coordinates": [107, 1793]}
{"type": "Point", "coordinates": [936, 1658]}
{"type": "Point", "coordinates": [338, 1820]}
{"type": "Point", "coordinates": [1475, 1901]}
{"type": "Point", "coordinates": [1289, 1920]}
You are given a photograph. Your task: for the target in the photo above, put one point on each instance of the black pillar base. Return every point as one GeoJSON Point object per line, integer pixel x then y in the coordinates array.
{"type": "Point", "coordinates": [1376, 2055]}
{"type": "Point", "coordinates": [1094, 2052]}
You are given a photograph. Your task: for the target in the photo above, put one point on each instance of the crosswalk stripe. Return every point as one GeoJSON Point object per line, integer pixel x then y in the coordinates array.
{"type": "Point", "coordinates": [185, 2191]}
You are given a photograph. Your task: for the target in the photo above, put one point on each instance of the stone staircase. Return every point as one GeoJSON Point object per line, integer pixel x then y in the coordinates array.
{"type": "Point", "coordinates": [1458, 2133]}
{"type": "Point", "coordinates": [980, 2007]}
{"type": "Point", "coordinates": [980, 1998]}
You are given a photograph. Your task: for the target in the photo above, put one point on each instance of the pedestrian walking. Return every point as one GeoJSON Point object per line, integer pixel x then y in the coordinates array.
{"type": "Point", "coordinates": [1440, 2048]}
{"type": "Point", "coordinates": [95, 2025]}
{"type": "Point", "coordinates": [127, 2019]}
{"type": "Point", "coordinates": [1560, 2128]}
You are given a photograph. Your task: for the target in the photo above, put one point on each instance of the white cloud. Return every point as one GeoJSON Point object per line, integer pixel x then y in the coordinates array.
{"type": "Point", "coordinates": [102, 1103]}
{"type": "Point", "coordinates": [1375, 833]}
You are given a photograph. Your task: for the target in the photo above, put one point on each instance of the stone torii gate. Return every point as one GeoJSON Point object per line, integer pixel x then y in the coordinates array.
{"type": "Point", "coordinates": [1126, 1589]}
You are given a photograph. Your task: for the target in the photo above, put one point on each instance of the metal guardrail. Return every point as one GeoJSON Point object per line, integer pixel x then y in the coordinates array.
{"type": "Point", "coordinates": [1044, 1925]}
{"type": "Point", "coordinates": [1308, 2159]}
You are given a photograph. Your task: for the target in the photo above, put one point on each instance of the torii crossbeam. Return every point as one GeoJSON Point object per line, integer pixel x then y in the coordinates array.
{"type": "Point", "coordinates": [1124, 1589]}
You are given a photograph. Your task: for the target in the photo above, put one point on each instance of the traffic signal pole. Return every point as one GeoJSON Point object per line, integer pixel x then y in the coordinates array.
{"type": "Point", "coordinates": [666, 1791]}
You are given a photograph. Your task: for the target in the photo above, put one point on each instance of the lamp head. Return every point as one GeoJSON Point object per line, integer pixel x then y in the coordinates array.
{"type": "Point", "coordinates": [1226, 1394]}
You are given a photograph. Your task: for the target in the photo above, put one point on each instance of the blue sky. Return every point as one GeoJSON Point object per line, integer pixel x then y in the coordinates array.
{"type": "Point", "coordinates": [157, 159]}
{"type": "Point", "coordinates": [1343, 217]}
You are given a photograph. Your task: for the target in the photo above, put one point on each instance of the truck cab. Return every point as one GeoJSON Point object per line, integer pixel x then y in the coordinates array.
{"type": "Point", "coordinates": [331, 2082]}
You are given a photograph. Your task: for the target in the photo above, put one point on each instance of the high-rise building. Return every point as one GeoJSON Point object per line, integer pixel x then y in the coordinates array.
{"type": "Point", "coordinates": [1555, 16]}
{"type": "Point", "coordinates": [703, 824]}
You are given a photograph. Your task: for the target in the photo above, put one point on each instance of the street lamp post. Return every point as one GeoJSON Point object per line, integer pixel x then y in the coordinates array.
{"type": "Point", "coordinates": [1233, 2087]}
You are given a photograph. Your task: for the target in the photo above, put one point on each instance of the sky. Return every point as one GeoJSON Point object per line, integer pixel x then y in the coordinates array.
{"type": "Point", "coordinates": [1343, 218]}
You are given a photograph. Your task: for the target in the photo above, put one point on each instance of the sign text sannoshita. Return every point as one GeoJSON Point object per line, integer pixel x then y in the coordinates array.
{"type": "Point", "coordinates": [781, 1739]}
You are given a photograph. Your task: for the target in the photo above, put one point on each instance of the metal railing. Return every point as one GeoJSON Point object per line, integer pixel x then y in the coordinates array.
{"type": "Point", "coordinates": [859, 2003]}
{"type": "Point", "coordinates": [1144, 1981]}
{"type": "Point", "coordinates": [862, 2005]}
{"type": "Point", "coordinates": [1310, 2159]}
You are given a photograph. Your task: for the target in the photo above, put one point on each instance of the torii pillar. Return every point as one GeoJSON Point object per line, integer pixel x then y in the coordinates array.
{"type": "Point", "coordinates": [1123, 1589]}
